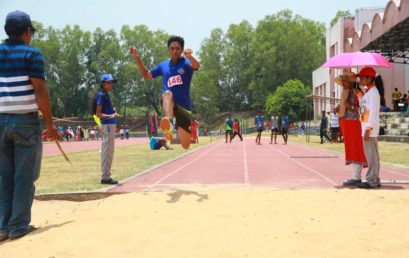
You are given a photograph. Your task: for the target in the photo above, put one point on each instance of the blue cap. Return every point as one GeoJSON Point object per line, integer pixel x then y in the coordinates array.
{"type": "Point", "coordinates": [18, 21]}
{"type": "Point", "coordinates": [107, 77]}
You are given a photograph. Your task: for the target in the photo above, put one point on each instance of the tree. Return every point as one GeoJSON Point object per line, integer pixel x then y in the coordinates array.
{"type": "Point", "coordinates": [291, 98]}
{"type": "Point", "coordinates": [238, 57]}
{"type": "Point", "coordinates": [286, 47]}
{"type": "Point", "coordinates": [152, 49]}
{"type": "Point", "coordinates": [341, 14]}
{"type": "Point", "coordinates": [204, 96]}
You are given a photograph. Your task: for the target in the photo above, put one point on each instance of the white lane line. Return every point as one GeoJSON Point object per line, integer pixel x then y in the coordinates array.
{"type": "Point", "coordinates": [246, 168]}
{"type": "Point", "coordinates": [182, 167]}
{"type": "Point", "coordinates": [305, 166]}
{"type": "Point", "coordinates": [392, 172]}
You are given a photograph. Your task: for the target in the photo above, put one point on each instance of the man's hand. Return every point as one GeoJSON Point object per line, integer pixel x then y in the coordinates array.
{"type": "Point", "coordinates": [366, 136]}
{"type": "Point", "coordinates": [188, 53]}
{"type": "Point", "coordinates": [133, 52]}
{"type": "Point", "coordinates": [52, 132]}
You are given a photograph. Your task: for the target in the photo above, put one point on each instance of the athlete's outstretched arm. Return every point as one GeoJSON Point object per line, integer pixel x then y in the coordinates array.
{"type": "Point", "coordinates": [146, 74]}
{"type": "Point", "coordinates": [194, 63]}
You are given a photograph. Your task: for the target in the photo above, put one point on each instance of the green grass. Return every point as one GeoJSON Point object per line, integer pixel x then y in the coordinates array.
{"type": "Point", "coordinates": [84, 174]}
{"type": "Point", "coordinates": [390, 153]}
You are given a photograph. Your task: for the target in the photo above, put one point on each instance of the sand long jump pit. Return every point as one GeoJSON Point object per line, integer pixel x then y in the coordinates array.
{"type": "Point", "coordinates": [218, 222]}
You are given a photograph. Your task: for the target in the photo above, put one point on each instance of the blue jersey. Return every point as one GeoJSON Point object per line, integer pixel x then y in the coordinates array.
{"type": "Point", "coordinates": [104, 100]}
{"type": "Point", "coordinates": [229, 124]}
{"type": "Point", "coordinates": [176, 78]}
{"type": "Point", "coordinates": [285, 121]}
{"type": "Point", "coordinates": [154, 143]}
{"type": "Point", "coordinates": [259, 122]}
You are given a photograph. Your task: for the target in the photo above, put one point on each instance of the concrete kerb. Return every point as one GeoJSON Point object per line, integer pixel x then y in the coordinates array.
{"type": "Point", "coordinates": [157, 166]}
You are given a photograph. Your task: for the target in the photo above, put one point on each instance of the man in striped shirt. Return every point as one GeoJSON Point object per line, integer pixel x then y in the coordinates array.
{"type": "Point", "coordinates": [23, 93]}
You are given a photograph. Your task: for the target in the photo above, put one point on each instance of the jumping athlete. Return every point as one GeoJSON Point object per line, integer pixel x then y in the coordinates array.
{"type": "Point", "coordinates": [104, 109]}
{"type": "Point", "coordinates": [176, 75]}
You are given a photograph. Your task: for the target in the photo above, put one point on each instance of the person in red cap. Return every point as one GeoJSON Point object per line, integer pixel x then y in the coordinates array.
{"type": "Point", "coordinates": [369, 112]}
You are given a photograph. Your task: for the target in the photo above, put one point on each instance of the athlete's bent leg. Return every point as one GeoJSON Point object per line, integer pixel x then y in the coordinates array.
{"type": "Point", "coordinates": [184, 138]}
{"type": "Point", "coordinates": [168, 104]}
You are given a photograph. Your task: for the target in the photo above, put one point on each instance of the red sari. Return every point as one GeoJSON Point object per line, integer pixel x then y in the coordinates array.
{"type": "Point", "coordinates": [354, 149]}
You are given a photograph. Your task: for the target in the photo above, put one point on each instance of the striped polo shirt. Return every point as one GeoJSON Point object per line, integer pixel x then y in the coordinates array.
{"type": "Point", "coordinates": [19, 63]}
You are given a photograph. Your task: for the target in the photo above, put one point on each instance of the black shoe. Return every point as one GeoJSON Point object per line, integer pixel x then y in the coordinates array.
{"type": "Point", "coordinates": [352, 182]}
{"type": "Point", "coordinates": [109, 181]}
{"type": "Point", "coordinates": [378, 183]}
{"type": "Point", "coordinates": [366, 185]}
{"type": "Point", "coordinates": [3, 238]}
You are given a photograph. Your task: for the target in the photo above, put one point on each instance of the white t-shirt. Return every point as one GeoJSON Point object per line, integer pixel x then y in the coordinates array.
{"type": "Point", "coordinates": [334, 120]}
{"type": "Point", "coordinates": [369, 111]}
{"type": "Point", "coordinates": [274, 122]}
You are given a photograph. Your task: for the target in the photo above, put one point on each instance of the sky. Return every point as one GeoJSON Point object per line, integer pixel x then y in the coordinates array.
{"type": "Point", "coordinates": [190, 19]}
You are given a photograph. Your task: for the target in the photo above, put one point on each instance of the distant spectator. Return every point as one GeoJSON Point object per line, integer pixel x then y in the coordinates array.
{"type": "Point", "coordinates": [285, 121]}
{"type": "Point", "coordinates": [334, 125]}
{"type": "Point", "coordinates": [404, 101]}
{"type": "Point", "coordinates": [122, 132]}
{"type": "Point", "coordinates": [126, 132]}
{"type": "Point", "coordinates": [302, 128]}
{"type": "Point", "coordinates": [324, 127]}
{"type": "Point", "coordinates": [236, 130]}
{"type": "Point", "coordinates": [385, 108]}
{"type": "Point", "coordinates": [407, 106]}
{"type": "Point", "coordinates": [396, 96]}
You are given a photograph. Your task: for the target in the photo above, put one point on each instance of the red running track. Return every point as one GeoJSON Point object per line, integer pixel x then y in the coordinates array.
{"type": "Point", "coordinates": [50, 148]}
{"type": "Point", "coordinates": [291, 166]}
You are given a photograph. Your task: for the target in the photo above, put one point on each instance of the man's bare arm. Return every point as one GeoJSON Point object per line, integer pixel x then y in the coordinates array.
{"type": "Point", "coordinates": [146, 74]}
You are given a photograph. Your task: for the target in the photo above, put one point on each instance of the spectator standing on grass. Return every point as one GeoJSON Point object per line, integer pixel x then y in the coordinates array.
{"type": "Point", "coordinates": [24, 93]}
{"type": "Point", "coordinates": [104, 109]}
{"type": "Point", "coordinates": [396, 96]}
{"type": "Point", "coordinates": [302, 128]}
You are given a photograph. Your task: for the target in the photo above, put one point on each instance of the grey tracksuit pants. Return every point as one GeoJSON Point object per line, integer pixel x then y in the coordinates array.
{"type": "Point", "coordinates": [372, 157]}
{"type": "Point", "coordinates": [107, 150]}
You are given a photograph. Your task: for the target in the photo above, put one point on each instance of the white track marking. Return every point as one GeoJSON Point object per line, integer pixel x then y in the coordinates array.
{"type": "Point", "coordinates": [246, 168]}
{"type": "Point", "coordinates": [182, 167]}
{"type": "Point", "coordinates": [305, 166]}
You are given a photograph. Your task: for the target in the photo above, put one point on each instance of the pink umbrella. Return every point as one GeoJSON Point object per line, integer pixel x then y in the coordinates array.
{"type": "Point", "coordinates": [355, 59]}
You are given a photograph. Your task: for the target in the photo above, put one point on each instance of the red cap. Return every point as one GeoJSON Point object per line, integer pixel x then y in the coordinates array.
{"type": "Point", "coordinates": [367, 72]}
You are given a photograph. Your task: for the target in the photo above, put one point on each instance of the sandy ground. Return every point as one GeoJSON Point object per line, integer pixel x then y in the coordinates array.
{"type": "Point", "coordinates": [211, 223]}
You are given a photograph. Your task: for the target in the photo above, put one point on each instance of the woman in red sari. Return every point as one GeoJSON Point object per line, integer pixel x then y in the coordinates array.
{"type": "Point", "coordinates": [351, 127]}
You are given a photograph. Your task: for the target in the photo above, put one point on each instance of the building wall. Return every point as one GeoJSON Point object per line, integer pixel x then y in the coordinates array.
{"type": "Point", "coordinates": [338, 40]}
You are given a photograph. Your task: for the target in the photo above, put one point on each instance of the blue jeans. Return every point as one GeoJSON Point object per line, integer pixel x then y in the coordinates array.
{"type": "Point", "coordinates": [20, 161]}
